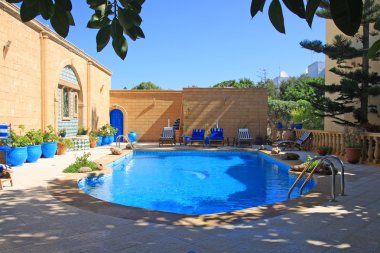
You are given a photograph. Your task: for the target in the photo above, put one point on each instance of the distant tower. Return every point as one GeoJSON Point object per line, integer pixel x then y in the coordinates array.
{"type": "Point", "coordinates": [282, 77]}
{"type": "Point", "coordinates": [316, 69]}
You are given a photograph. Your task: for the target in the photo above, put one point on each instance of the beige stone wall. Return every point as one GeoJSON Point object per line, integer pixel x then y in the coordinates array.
{"type": "Point", "coordinates": [20, 73]}
{"type": "Point", "coordinates": [232, 108]}
{"type": "Point", "coordinates": [331, 78]}
{"type": "Point", "coordinates": [30, 70]}
{"type": "Point", "coordinates": [147, 112]}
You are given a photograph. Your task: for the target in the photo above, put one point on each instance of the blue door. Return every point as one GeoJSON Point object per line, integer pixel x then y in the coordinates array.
{"type": "Point", "coordinates": [117, 121]}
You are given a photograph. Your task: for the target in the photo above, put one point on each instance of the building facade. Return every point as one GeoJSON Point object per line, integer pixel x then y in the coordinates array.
{"type": "Point", "coordinates": [45, 80]}
{"type": "Point", "coordinates": [331, 78]}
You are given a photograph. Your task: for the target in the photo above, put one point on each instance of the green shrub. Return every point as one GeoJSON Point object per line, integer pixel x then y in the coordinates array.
{"type": "Point", "coordinates": [50, 135]}
{"type": "Point", "coordinates": [81, 161]}
{"type": "Point", "coordinates": [36, 137]}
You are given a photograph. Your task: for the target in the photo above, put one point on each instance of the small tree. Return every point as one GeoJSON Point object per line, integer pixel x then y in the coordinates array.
{"type": "Point", "coordinates": [357, 82]}
{"type": "Point", "coordinates": [146, 86]}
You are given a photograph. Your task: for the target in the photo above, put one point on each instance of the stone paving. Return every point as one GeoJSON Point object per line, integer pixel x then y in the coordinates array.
{"type": "Point", "coordinates": [31, 220]}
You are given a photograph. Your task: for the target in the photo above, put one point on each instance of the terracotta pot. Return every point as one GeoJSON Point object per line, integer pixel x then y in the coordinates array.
{"type": "Point", "coordinates": [94, 143]}
{"type": "Point", "coordinates": [61, 149]}
{"type": "Point", "coordinates": [353, 155]}
{"type": "Point", "coordinates": [178, 133]}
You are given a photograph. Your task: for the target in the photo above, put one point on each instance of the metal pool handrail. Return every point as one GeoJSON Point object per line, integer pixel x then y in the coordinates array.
{"type": "Point", "coordinates": [118, 138]}
{"type": "Point", "coordinates": [331, 166]}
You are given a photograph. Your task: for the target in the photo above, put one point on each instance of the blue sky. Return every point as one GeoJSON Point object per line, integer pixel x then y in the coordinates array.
{"type": "Point", "coordinates": [202, 43]}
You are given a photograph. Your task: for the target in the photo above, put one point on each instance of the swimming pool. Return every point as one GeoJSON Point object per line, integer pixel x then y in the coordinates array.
{"type": "Point", "coordinates": [194, 182]}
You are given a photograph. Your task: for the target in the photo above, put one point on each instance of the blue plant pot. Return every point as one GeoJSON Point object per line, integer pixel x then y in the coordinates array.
{"type": "Point", "coordinates": [100, 139]}
{"type": "Point", "coordinates": [112, 138]}
{"type": "Point", "coordinates": [132, 136]}
{"type": "Point", "coordinates": [17, 156]}
{"type": "Point", "coordinates": [207, 140]}
{"type": "Point", "coordinates": [49, 149]}
{"type": "Point", "coordinates": [279, 125]}
{"type": "Point", "coordinates": [34, 153]}
{"type": "Point", "coordinates": [298, 126]}
{"type": "Point", "coordinates": [105, 140]}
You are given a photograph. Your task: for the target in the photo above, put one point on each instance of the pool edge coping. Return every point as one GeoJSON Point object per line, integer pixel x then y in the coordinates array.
{"type": "Point", "coordinates": [66, 190]}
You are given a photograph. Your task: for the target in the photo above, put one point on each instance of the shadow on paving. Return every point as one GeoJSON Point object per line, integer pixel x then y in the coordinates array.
{"type": "Point", "coordinates": [32, 221]}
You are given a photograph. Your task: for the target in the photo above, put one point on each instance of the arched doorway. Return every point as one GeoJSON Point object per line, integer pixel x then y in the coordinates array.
{"type": "Point", "coordinates": [70, 101]}
{"type": "Point", "coordinates": [117, 121]}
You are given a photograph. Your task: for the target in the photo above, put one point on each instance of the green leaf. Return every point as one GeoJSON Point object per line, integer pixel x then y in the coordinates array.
{"type": "Point", "coordinates": [296, 6]}
{"type": "Point", "coordinates": [95, 22]}
{"type": "Point", "coordinates": [116, 29]}
{"type": "Point", "coordinates": [121, 47]}
{"type": "Point", "coordinates": [256, 6]}
{"type": "Point", "coordinates": [125, 21]}
{"type": "Point", "coordinates": [347, 15]}
{"type": "Point", "coordinates": [60, 21]}
{"type": "Point", "coordinates": [65, 4]}
{"type": "Point", "coordinates": [374, 49]}
{"type": "Point", "coordinates": [276, 16]}
{"type": "Point", "coordinates": [14, 1]}
{"type": "Point", "coordinates": [95, 3]}
{"type": "Point", "coordinates": [71, 18]}
{"type": "Point", "coordinates": [311, 8]}
{"type": "Point", "coordinates": [29, 10]}
{"type": "Point", "coordinates": [103, 37]}
{"type": "Point", "coordinates": [46, 8]}
{"type": "Point", "coordinates": [377, 24]}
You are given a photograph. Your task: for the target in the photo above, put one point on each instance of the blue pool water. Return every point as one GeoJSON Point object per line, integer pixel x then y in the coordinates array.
{"type": "Point", "coordinates": [194, 182]}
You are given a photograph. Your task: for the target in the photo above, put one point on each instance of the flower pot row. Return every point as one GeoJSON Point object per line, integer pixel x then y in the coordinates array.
{"type": "Point", "coordinates": [105, 140]}
{"type": "Point", "coordinates": [18, 155]}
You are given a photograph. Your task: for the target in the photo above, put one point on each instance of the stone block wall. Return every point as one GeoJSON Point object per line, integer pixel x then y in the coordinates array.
{"type": "Point", "coordinates": [232, 108]}
{"type": "Point", "coordinates": [147, 112]}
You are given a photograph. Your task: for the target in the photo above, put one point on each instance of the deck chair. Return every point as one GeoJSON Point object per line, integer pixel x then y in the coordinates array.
{"type": "Point", "coordinates": [294, 144]}
{"type": "Point", "coordinates": [167, 136]}
{"type": "Point", "coordinates": [5, 148]}
{"type": "Point", "coordinates": [244, 136]}
{"type": "Point", "coordinates": [198, 135]}
{"type": "Point", "coordinates": [216, 136]}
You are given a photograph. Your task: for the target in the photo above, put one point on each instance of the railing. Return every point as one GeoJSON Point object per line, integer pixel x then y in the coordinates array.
{"type": "Point", "coordinates": [335, 140]}
{"type": "Point", "coordinates": [120, 137]}
{"type": "Point", "coordinates": [330, 162]}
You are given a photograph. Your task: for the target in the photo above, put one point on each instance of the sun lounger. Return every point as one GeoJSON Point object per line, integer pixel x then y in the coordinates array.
{"type": "Point", "coordinates": [167, 136]}
{"type": "Point", "coordinates": [216, 136]}
{"type": "Point", "coordinates": [294, 144]}
{"type": "Point", "coordinates": [244, 137]}
{"type": "Point", "coordinates": [198, 135]}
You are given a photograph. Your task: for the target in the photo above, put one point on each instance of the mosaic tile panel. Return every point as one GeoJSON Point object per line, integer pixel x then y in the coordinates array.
{"type": "Point", "coordinates": [72, 124]}
{"type": "Point", "coordinates": [68, 75]}
{"type": "Point", "coordinates": [80, 143]}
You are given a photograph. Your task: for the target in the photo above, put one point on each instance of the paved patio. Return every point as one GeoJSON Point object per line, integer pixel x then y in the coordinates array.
{"type": "Point", "coordinates": [33, 221]}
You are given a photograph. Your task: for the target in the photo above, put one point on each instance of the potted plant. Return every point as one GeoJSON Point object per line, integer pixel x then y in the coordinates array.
{"type": "Point", "coordinates": [93, 139]}
{"type": "Point", "coordinates": [63, 145]}
{"type": "Point", "coordinates": [49, 146]}
{"type": "Point", "coordinates": [105, 133]}
{"type": "Point", "coordinates": [100, 138]}
{"type": "Point", "coordinates": [82, 131]}
{"type": "Point", "coordinates": [35, 149]}
{"type": "Point", "coordinates": [323, 150]}
{"type": "Point", "coordinates": [62, 133]}
{"type": "Point", "coordinates": [113, 132]}
{"type": "Point", "coordinates": [19, 152]}
{"type": "Point", "coordinates": [353, 146]}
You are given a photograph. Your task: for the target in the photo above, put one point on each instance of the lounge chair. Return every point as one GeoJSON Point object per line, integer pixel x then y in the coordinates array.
{"type": "Point", "coordinates": [167, 136]}
{"type": "Point", "coordinates": [216, 136]}
{"type": "Point", "coordinates": [198, 135]}
{"type": "Point", "coordinates": [294, 144]}
{"type": "Point", "coordinates": [5, 172]}
{"type": "Point", "coordinates": [244, 136]}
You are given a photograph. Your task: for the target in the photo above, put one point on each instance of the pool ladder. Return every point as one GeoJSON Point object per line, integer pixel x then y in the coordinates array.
{"type": "Point", "coordinates": [329, 160]}
{"type": "Point", "coordinates": [118, 140]}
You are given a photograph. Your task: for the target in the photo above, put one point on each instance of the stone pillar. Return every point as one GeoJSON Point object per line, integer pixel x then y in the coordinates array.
{"type": "Point", "coordinates": [44, 96]}
{"type": "Point", "coordinates": [89, 105]}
